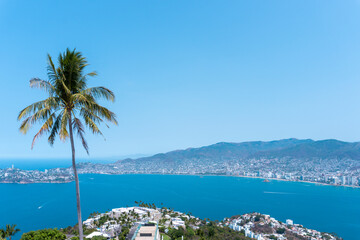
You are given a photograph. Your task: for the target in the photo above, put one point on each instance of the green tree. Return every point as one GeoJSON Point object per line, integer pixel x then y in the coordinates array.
{"type": "Point", "coordinates": [11, 230]}
{"type": "Point", "coordinates": [48, 234]}
{"type": "Point", "coordinates": [70, 101]}
{"type": "Point", "coordinates": [98, 238]}
{"type": "Point", "coordinates": [2, 234]}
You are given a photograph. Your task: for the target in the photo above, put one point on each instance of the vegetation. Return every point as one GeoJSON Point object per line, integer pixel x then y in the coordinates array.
{"type": "Point", "coordinates": [209, 231]}
{"type": "Point", "coordinates": [165, 237]}
{"type": "Point", "coordinates": [293, 236]}
{"type": "Point", "coordinates": [48, 234]}
{"type": "Point", "coordinates": [265, 228]}
{"type": "Point", "coordinates": [124, 232]}
{"type": "Point", "coordinates": [8, 232]}
{"type": "Point", "coordinates": [98, 238]}
{"type": "Point", "coordinates": [69, 101]}
{"type": "Point", "coordinates": [147, 205]}
{"type": "Point", "coordinates": [75, 231]}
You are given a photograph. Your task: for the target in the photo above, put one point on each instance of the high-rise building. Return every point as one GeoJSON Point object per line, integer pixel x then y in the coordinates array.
{"type": "Point", "coordinates": [354, 181]}
{"type": "Point", "coordinates": [343, 180]}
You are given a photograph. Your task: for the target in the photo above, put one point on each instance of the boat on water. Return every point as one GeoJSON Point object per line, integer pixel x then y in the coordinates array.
{"type": "Point", "coordinates": [266, 180]}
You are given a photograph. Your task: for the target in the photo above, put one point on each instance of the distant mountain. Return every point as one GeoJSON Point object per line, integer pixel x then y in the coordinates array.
{"type": "Point", "coordinates": [317, 149]}
{"type": "Point", "coordinates": [290, 148]}
{"type": "Point", "coordinates": [291, 159]}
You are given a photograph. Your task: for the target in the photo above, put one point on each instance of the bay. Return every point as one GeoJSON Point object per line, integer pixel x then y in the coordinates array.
{"type": "Point", "coordinates": [324, 208]}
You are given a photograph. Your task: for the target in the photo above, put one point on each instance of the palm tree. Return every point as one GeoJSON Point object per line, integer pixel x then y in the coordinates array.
{"type": "Point", "coordinates": [11, 230]}
{"type": "Point", "coordinates": [70, 101]}
{"type": "Point", "coordinates": [2, 234]}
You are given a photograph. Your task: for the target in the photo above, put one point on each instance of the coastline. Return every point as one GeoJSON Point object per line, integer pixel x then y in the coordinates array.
{"type": "Point", "coordinates": [23, 183]}
{"type": "Point", "coordinates": [199, 175]}
{"type": "Point", "coordinates": [302, 181]}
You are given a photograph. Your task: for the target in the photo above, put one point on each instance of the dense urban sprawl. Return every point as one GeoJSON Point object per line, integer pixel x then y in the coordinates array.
{"type": "Point", "coordinates": [327, 171]}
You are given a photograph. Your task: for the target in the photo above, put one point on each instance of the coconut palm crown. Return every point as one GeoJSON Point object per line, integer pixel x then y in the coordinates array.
{"type": "Point", "coordinates": [11, 230]}
{"type": "Point", "coordinates": [70, 106]}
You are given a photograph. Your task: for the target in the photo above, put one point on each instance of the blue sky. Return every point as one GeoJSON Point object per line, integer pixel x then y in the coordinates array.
{"type": "Point", "coordinates": [190, 73]}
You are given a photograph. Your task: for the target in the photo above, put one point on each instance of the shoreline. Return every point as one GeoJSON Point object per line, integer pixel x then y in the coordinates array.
{"type": "Point", "coordinates": [301, 181]}
{"type": "Point", "coordinates": [199, 175]}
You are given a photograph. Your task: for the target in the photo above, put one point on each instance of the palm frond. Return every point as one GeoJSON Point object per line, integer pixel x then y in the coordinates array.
{"type": "Point", "coordinates": [55, 129]}
{"type": "Point", "coordinates": [80, 99]}
{"type": "Point", "coordinates": [86, 113]}
{"type": "Point", "coordinates": [25, 125]}
{"type": "Point", "coordinates": [31, 109]}
{"type": "Point", "coordinates": [92, 125]}
{"type": "Point", "coordinates": [40, 112]}
{"type": "Point", "coordinates": [79, 128]}
{"type": "Point", "coordinates": [103, 112]}
{"type": "Point", "coordinates": [50, 103]}
{"type": "Point", "coordinates": [100, 92]}
{"type": "Point", "coordinates": [42, 84]}
{"type": "Point", "coordinates": [44, 128]}
{"type": "Point", "coordinates": [63, 133]}
{"type": "Point", "coordinates": [91, 74]}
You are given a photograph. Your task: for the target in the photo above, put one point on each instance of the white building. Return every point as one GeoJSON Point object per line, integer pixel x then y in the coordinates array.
{"type": "Point", "coordinates": [178, 222]}
{"type": "Point", "coordinates": [148, 231]}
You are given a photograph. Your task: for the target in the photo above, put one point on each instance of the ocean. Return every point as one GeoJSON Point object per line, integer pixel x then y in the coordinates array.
{"type": "Point", "coordinates": [42, 164]}
{"type": "Point", "coordinates": [324, 208]}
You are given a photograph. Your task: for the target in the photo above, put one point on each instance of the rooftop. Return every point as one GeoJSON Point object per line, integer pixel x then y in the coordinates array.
{"type": "Point", "coordinates": [147, 232]}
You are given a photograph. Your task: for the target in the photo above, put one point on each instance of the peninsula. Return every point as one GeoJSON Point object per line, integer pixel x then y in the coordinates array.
{"type": "Point", "coordinates": [165, 223]}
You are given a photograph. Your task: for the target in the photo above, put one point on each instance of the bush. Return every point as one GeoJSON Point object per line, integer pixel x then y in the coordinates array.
{"type": "Point", "coordinates": [48, 234]}
{"type": "Point", "coordinates": [98, 238]}
{"type": "Point", "coordinates": [280, 230]}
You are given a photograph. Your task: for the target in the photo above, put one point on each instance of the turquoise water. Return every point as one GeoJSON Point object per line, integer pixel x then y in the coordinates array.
{"type": "Point", "coordinates": [325, 208]}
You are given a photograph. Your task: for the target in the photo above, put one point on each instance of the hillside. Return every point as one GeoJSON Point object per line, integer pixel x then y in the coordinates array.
{"type": "Point", "coordinates": [326, 161]}
{"type": "Point", "coordinates": [291, 148]}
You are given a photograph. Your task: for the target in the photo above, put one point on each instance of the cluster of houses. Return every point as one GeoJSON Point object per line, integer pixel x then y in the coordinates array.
{"type": "Point", "coordinates": [110, 224]}
{"type": "Point", "coordinates": [253, 225]}
{"type": "Point", "coordinates": [144, 222]}
{"type": "Point", "coordinates": [237, 226]}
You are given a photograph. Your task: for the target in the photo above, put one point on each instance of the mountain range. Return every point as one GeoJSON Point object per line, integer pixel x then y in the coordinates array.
{"type": "Point", "coordinates": [290, 148]}
{"type": "Point", "coordinates": [300, 157]}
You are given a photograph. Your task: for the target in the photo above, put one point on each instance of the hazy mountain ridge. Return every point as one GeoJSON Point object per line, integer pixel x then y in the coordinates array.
{"type": "Point", "coordinates": [287, 148]}
{"type": "Point", "coordinates": [326, 161]}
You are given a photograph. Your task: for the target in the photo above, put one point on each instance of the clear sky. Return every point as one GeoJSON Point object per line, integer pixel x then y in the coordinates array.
{"type": "Point", "coordinates": [189, 73]}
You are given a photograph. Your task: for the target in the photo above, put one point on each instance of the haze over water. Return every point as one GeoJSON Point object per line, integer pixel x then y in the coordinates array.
{"type": "Point", "coordinates": [324, 208]}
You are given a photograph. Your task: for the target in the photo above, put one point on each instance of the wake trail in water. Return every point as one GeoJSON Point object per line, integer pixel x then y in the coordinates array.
{"type": "Point", "coordinates": [41, 206]}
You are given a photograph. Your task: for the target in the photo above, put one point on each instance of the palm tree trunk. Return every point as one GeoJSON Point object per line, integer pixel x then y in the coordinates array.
{"type": "Point", "coordinates": [76, 181]}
